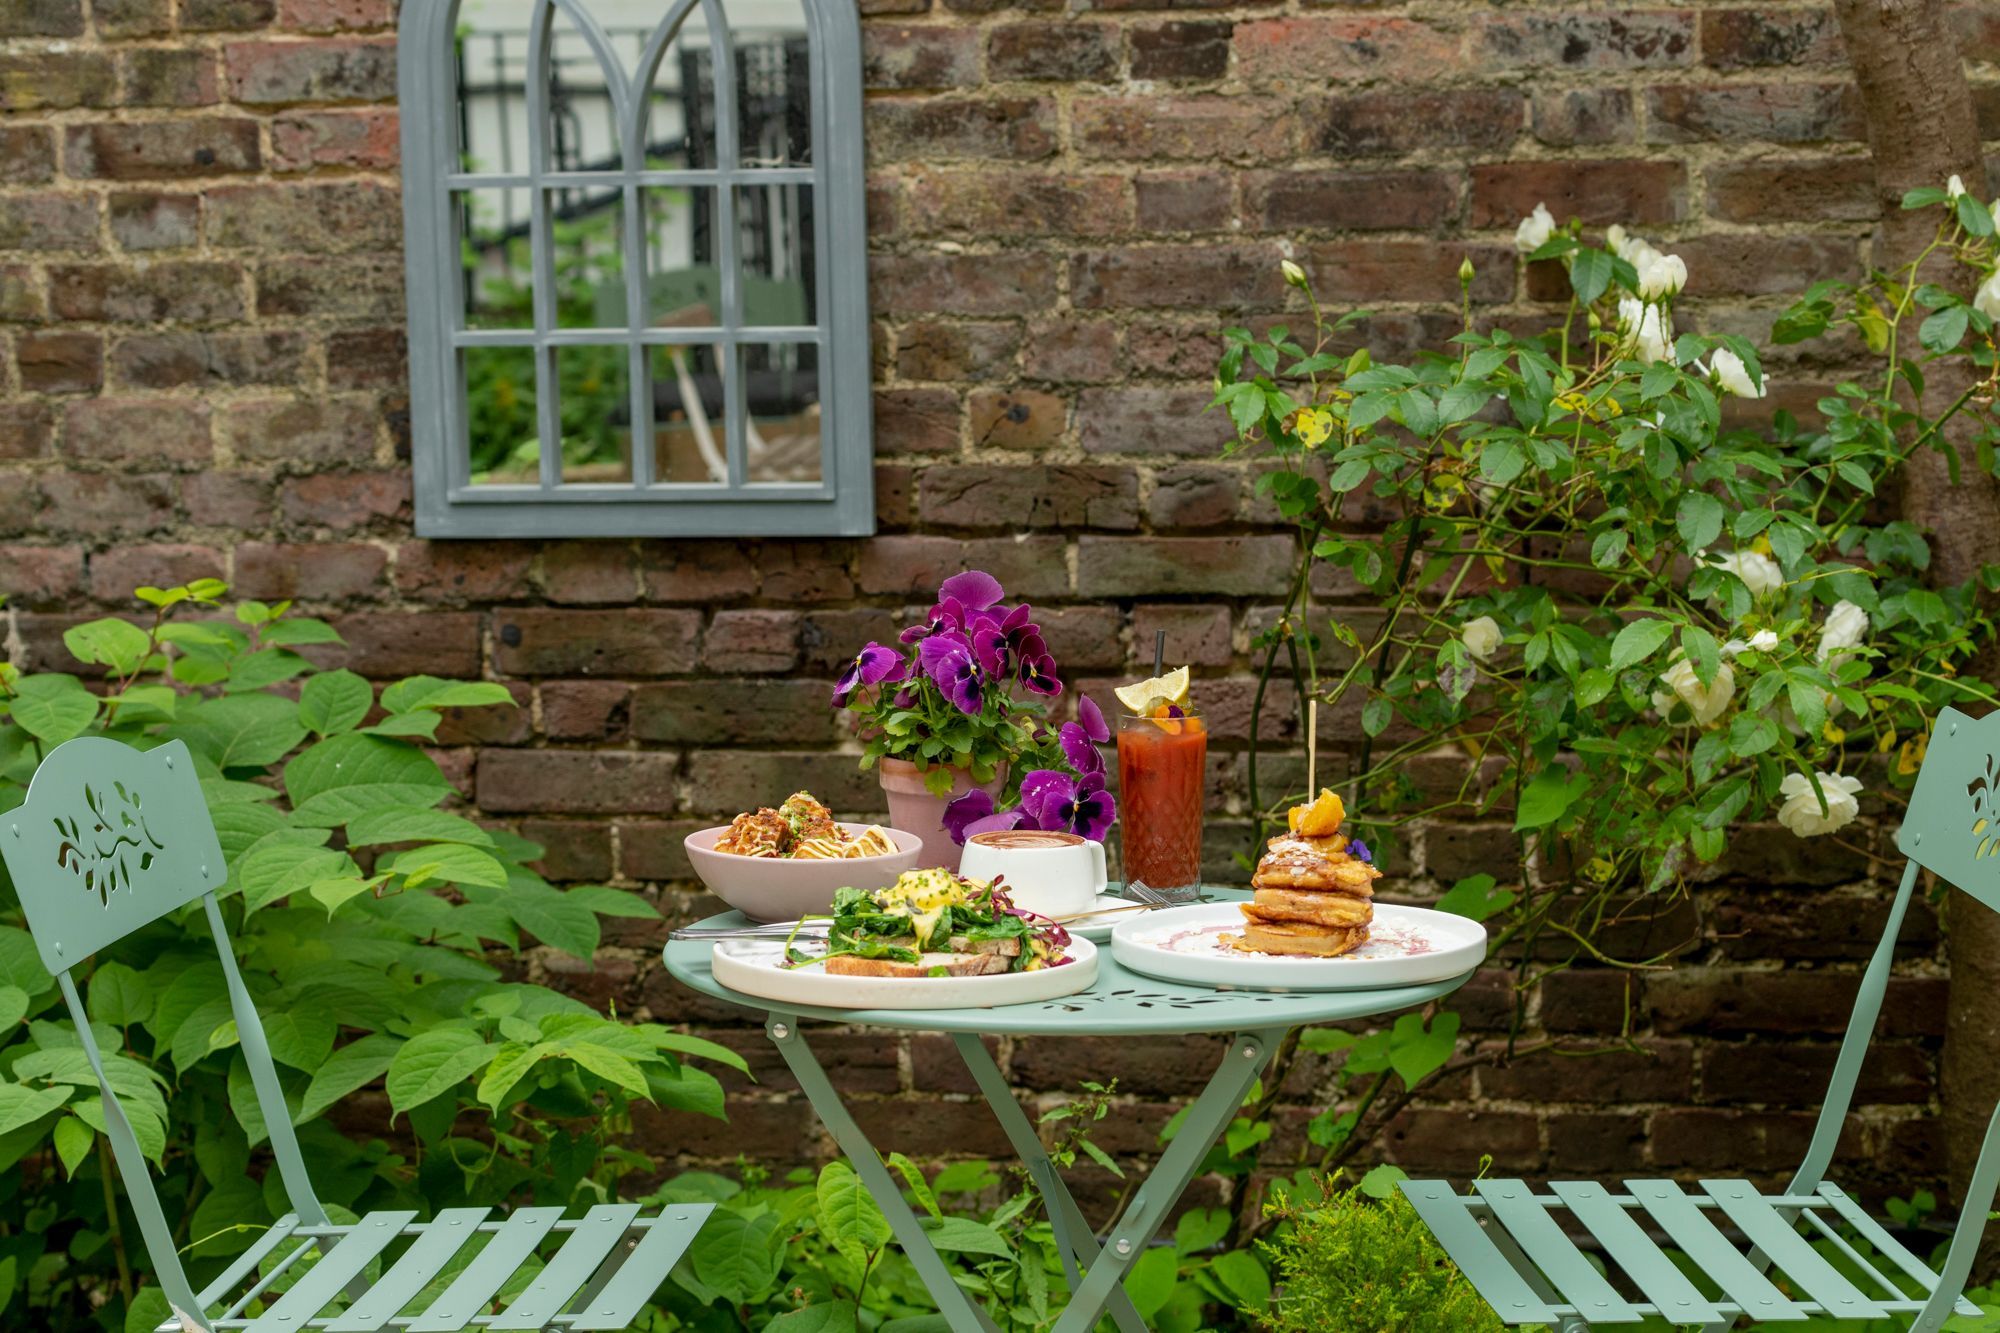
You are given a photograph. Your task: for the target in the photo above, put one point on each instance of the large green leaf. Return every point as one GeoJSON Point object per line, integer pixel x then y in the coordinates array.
{"type": "Point", "coordinates": [118, 644]}
{"type": "Point", "coordinates": [330, 809]}
{"type": "Point", "coordinates": [352, 1067]}
{"type": "Point", "coordinates": [23, 1106]}
{"type": "Point", "coordinates": [358, 761]}
{"type": "Point", "coordinates": [118, 995]}
{"type": "Point", "coordinates": [551, 916]}
{"type": "Point", "coordinates": [389, 823]}
{"type": "Point", "coordinates": [240, 730]}
{"type": "Point", "coordinates": [334, 702]}
{"type": "Point", "coordinates": [448, 863]}
{"type": "Point", "coordinates": [965, 1236]}
{"type": "Point", "coordinates": [1638, 641]}
{"type": "Point", "coordinates": [738, 1255]}
{"type": "Point", "coordinates": [20, 964]}
{"type": "Point", "coordinates": [1554, 790]}
{"type": "Point", "coordinates": [273, 872]}
{"type": "Point", "coordinates": [849, 1217]}
{"type": "Point", "coordinates": [1244, 1278]}
{"type": "Point", "coordinates": [238, 826]}
{"type": "Point", "coordinates": [826, 1317]}
{"type": "Point", "coordinates": [433, 1062]}
{"type": "Point", "coordinates": [299, 1036]}
{"type": "Point", "coordinates": [431, 692]}
{"type": "Point", "coordinates": [1150, 1281]}
{"type": "Point", "coordinates": [53, 708]}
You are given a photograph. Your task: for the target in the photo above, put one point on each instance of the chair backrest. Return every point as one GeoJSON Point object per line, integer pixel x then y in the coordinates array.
{"type": "Point", "coordinates": [1952, 828]}
{"type": "Point", "coordinates": [111, 839]}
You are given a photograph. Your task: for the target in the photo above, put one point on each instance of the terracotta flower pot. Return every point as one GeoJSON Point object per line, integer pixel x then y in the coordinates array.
{"type": "Point", "coordinates": [915, 809]}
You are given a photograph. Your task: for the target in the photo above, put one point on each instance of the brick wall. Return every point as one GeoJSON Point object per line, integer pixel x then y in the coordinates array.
{"type": "Point", "coordinates": [201, 373]}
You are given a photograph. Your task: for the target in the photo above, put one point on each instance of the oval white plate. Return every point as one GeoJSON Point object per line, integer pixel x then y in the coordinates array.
{"type": "Point", "coordinates": [1099, 930]}
{"type": "Point", "coordinates": [756, 967]}
{"type": "Point", "coordinates": [1407, 946]}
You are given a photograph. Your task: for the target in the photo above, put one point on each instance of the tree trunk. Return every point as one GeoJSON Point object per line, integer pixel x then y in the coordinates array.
{"type": "Point", "coordinates": [1921, 131]}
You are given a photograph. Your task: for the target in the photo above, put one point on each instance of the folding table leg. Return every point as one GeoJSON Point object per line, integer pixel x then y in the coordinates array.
{"type": "Point", "coordinates": [1074, 1239]}
{"type": "Point", "coordinates": [1207, 1118]}
{"type": "Point", "coordinates": [958, 1309]}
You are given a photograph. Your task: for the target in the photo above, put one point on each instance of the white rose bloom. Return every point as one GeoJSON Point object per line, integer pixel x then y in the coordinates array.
{"type": "Point", "coordinates": [1706, 702]}
{"type": "Point", "coordinates": [1734, 376]}
{"type": "Point", "coordinates": [1987, 299]}
{"type": "Point", "coordinates": [1294, 275]}
{"type": "Point", "coordinates": [1615, 239]}
{"type": "Point", "coordinates": [1954, 187]}
{"type": "Point", "coordinates": [1760, 573]}
{"type": "Point", "coordinates": [1535, 230]}
{"type": "Point", "coordinates": [1481, 637]}
{"type": "Point", "coordinates": [1801, 811]}
{"type": "Point", "coordinates": [1660, 275]}
{"type": "Point", "coordinates": [1763, 641]}
{"type": "Point", "coordinates": [1846, 625]}
{"type": "Point", "coordinates": [1645, 334]}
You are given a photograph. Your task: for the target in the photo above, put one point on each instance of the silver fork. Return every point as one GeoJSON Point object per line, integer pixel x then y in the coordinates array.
{"type": "Point", "coordinates": [1146, 893]}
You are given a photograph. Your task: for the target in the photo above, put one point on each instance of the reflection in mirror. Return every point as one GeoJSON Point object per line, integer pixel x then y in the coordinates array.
{"type": "Point", "coordinates": [501, 431]}
{"type": "Point", "coordinates": [587, 247]}
{"type": "Point", "coordinates": [774, 229]}
{"type": "Point", "coordinates": [690, 443]}
{"type": "Point", "coordinates": [492, 57]}
{"type": "Point", "coordinates": [595, 406]}
{"type": "Point", "coordinates": [781, 434]}
{"type": "Point", "coordinates": [683, 283]}
{"type": "Point", "coordinates": [582, 118]}
{"type": "Point", "coordinates": [678, 136]}
{"type": "Point", "coordinates": [773, 82]}
{"type": "Point", "coordinates": [498, 280]}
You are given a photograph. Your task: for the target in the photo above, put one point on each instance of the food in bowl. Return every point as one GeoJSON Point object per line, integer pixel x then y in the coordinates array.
{"type": "Point", "coordinates": [932, 923]}
{"type": "Point", "coordinates": [1314, 889]}
{"type": "Point", "coordinates": [804, 829]}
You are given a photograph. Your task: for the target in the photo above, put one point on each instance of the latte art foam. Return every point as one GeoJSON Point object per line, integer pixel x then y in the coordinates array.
{"type": "Point", "coordinates": [1024, 839]}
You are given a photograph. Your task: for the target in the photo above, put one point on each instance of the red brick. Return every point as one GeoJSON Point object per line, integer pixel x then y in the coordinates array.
{"type": "Point", "coordinates": [1758, 1141]}
{"type": "Point", "coordinates": [464, 571]}
{"type": "Point", "coordinates": [1225, 276]}
{"type": "Point", "coordinates": [916, 421]}
{"type": "Point", "coordinates": [59, 362]}
{"type": "Point", "coordinates": [748, 642]}
{"type": "Point", "coordinates": [143, 431]}
{"type": "Point", "coordinates": [40, 577]}
{"type": "Point", "coordinates": [337, 431]}
{"type": "Point", "coordinates": [1196, 635]}
{"type": "Point", "coordinates": [1572, 117]}
{"type": "Point", "coordinates": [1167, 201]}
{"type": "Point", "coordinates": [1018, 129]}
{"type": "Point", "coordinates": [574, 850]}
{"type": "Point", "coordinates": [209, 360]}
{"type": "Point", "coordinates": [974, 205]}
{"type": "Point", "coordinates": [575, 782]}
{"type": "Point", "coordinates": [316, 219]}
{"type": "Point", "coordinates": [1352, 271]}
{"type": "Point", "coordinates": [1780, 112]}
{"type": "Point", "coordinates": [355, 287]}
{"type": "Point", "coordinates": [1744, 38]}
{"type": "Point", "coordinates": [938, 349]}
{"type": "Point", "coordinates": [319, 571]}
{"type": "Point", "coordinates": [240, 500]}
{"type": "Point", "coordinates": [898, 57]}
{"type": "Point", "coordinates": [1833, 189]}
{"type": "Point", "coordinates": [49, 221]}
{"type": "Point", "coordinates": [1436, 1139]}
{"type": "Point", "coordinates": [1751, 265]}
{"type": "Point", "coordinates": [1626, 39]}
{"type": "Point", "coordinates": [1798, 1073]}
{"type": "Point", "coordinates": [1180, 50]}
{"type": "Point", "coordinates": [1243, 129]}
{"type": "Point", "coordinates": [21, 298]}
{"type": "Point", "coordinates": [1215, 566]}
{"type": "Point", "coordinates": [914, 566]}
{"type": "Point", "coordinates": [1194, 496]}
{"type": "Point", "coordinates": [1346, 200]}
{"type": "Point", "coordinates": [335, 15]}
{"type": "Point", "coordinates": [392, 644]}
{"type": "Point", "coordinates": [190, 147]}
{"type": "Point", "coordinates": [1317, 48]}
{"type": "Point", "coordinates": [132, 18]}
{"type": "Point", "coordinates": [962, 284]}
{"type": "Point", "coordinates": [696, 571]}
{"type": "Point", "coordinates": [167, 292]}
{"type": "Point", "coordinates": [346, 500]}
{"type": "Point", "coordinates": [145, 222]}
{"type": "Point", "coordinates": [327, 70]}
{"type": "Point", "coordinates": [1598, 192]}
{"type": "Point", "coordinates": [735, 712]}
{"type": "Point", "coordinates": [829, 639]}
{"type": "Point", "coordinates": [366, 140]}
{"type": "Point", "coordinates": [97, 504]}
{"type": "Point", "coordinates": [1014, 497]}
{"type": "Point", "coordinates": [225, 15]}
{"type": "Point", "coordinates": [586, 710]}
{"type": "Point", "coordinates": [1016, 418]}
{"type": "Point", "coordinates": [116, 572]}
{"type": "Point", "coordinates": [535, 642]}
{"type": "Point", "coordinates": [368, 359]}
{"type": "Point", "coordinates": [1150, 420]}
{"type": "Point", "coordinates": [797, 572]}
{"type": "Point", "coordinates": [655, 851]}
{"type": "Point", "coordinates": [164, 76]}
{"type": "Point", "coordinates": [56, 80]}
{"type": "Point", "coordinates": [1070, 52]}
{"type": "Point", "coordinates": [586, 573]}
{"type": "Point", "coordinates": [42, 18]}
{"type": "Point", "coordinates": [1072, 349]}
{"type": "Point", "coordinates": [1082, 637]}
{"type": "Point", "coordinates": [27, 154]}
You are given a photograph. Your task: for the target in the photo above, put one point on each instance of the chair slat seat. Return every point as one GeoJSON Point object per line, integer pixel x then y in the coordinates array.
{"type": "Point", "coordinates": [589, 1244]}
{"type": "Point", "coordinates": [1514, 1206]}
{"type": "Point", "coordinates": [434, 1247]}
{"type": "Point", "coordinates": [1773, 1234]}
{"type": "Point", "coordinates": [1885, 1244]}
{"type": "Point", "coordinates": [665, 1241]}
{"type": "Point", "coordinates": [1712, 1252]}
{"type": "Point", "coordinates": [352, 1253]}
{"type": "Point", "coordinates": [1495, 1279]}
{"type": "Point", "coordinates": [1657, 1276]}
{"type": "Point", "coordinates": [474, 1289]}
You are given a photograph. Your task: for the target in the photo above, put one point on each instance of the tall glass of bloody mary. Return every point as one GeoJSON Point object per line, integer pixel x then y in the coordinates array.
{"type": "Point", "coordinates": [1161, 764]}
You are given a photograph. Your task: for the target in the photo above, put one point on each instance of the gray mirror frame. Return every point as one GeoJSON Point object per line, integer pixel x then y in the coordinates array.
{"type": "Point", "coordinates": [842, 505]}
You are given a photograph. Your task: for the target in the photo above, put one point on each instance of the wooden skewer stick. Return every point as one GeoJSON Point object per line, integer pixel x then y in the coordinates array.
{"type": "Point", "coordinates": [1312, 750]}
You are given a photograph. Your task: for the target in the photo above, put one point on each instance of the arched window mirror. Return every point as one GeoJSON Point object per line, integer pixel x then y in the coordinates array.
{"type": "Point", "coordinates": [636, 267]}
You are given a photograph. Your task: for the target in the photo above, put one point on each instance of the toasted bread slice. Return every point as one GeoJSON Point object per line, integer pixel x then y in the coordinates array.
{"type": "Point", "coordinates": [1296, 938]}
{"type": "Point", "coordinates": [1315, 909]}
{"type": "Point", "coordinates": [954, 965]}
{"type": "Point", "coordinates": [1008, 948]}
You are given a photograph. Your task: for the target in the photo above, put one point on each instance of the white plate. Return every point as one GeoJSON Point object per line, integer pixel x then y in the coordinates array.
{"type": "Point", "coordinates": [1407, 946]}
{"type": "Point", "coordinates": [756, 967]}
{"type": "Point", "coordinates": [1099, 930]}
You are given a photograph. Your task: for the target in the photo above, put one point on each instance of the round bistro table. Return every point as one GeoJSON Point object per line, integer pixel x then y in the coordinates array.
{"type": "Point", "coordinates": [1119, 1003]}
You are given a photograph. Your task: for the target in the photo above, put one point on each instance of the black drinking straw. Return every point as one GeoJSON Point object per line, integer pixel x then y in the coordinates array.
{"type": "Point", "coordinates": [1159, 654]}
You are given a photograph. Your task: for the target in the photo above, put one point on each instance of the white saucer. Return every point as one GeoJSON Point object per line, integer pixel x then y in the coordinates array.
{"type": "Point", "coordinates": [1098, 929]}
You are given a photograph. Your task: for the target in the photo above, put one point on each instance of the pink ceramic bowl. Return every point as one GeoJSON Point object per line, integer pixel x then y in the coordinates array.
{"type": "Point", "coordinates": [769, 888]}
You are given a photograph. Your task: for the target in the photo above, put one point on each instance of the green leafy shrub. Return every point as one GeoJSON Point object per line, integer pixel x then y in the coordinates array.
{"type": "Point", "coordinates": [1362, 1261]}
{"type": "Point", "coordinates": [362, 915]}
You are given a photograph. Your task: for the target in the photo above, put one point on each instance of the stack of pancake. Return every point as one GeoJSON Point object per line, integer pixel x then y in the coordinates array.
{"type": "Point", "coordinates": [1312, 897]}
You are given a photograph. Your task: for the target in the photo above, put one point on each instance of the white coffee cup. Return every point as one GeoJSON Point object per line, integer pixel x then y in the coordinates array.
{"type": "Point", "coordinates": [1050, 874]}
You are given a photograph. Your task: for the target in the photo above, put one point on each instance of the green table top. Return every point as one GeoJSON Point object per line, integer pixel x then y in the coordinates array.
{"type": "Point", "coordinates": [1119, 1003]}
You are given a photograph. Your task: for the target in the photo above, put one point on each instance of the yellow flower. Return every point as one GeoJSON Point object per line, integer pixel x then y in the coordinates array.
{"type": "Point", "coordinates": [1313, 426]}
{"type": "Point", "coordinates": [1834, 735]}
{"type": "Point", "coordinates": [1911, 757]}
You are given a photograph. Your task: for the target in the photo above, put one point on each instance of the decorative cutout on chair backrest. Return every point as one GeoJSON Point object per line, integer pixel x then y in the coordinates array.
{"type": "Point", "coordinates": [109, 839]}
{"type": "Point", "coordinates": [1953, 825]}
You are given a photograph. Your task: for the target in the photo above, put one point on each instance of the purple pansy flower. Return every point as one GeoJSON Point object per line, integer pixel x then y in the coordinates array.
{"type": "Point", "coordinates": [948, 661]}
{"type": "Point", "coordinates": [1359, 851]}
{"type": "Point", "coordinates": [989, 644]}
{"type": "Point", "coordinates": [975, 590]}
{"type": "Point", "coordinates": [1091, 718]}
{"type": "Point", "coordinates": [871, 666]}
{"type": "Point", "coordinates": [972, 813]}
{"type": "Point", "coordinates": [1037, 668]}
{"type": "Point", "coordinates": [1083, 756]}
{"type": "Point", "coordinates": [1057, 801]}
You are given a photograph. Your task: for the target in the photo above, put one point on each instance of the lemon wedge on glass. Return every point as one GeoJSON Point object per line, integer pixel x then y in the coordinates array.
{"type": "Point", "coordinates": [1141, 699]}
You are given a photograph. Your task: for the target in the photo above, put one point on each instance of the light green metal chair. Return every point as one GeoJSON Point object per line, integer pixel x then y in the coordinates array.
{"type": "Point", "coordinates": [110, 839]}
{"type": "Point", "coordinates": [1515, 1245]}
